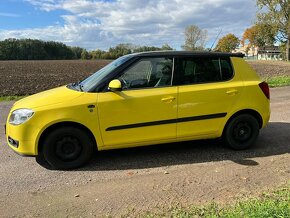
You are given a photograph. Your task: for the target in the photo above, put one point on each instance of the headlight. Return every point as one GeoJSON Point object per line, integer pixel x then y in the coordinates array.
{"type": "Point", "coordinates": [20, 116]}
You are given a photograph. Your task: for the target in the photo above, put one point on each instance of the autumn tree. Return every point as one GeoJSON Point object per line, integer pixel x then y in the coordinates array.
{"type": "Point", "coordinates": [195, 38]}
{"type": "Point", "coordinates": [258, 35]}
{"type": "Point", "coordinates": [227, 43]}
{"type": "Point", "coordinates": [277, 14]}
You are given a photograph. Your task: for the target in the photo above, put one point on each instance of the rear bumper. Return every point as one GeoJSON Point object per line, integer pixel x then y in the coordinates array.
{"type": "Point", "coordinates": [266, 119]}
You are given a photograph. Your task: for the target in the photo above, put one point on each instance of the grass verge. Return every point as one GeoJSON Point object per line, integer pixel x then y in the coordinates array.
{"type": "Point", "coordinates": [275, 204]}
{"type": "Point", "coordinates": [10, 98]}
{"type": "Point", "coordinates": [278, 81]}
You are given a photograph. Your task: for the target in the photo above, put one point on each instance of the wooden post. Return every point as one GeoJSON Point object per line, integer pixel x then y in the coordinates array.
{"type": "Point", "coordinates": [287, 49]}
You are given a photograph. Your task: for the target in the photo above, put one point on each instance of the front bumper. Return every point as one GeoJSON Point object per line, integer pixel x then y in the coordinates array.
{"type": "Point", "coordinates": [22, 139]}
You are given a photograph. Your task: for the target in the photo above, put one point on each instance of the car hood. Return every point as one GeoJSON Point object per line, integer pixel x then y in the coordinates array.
{"type": "Point", "coordinates": [49, 97]}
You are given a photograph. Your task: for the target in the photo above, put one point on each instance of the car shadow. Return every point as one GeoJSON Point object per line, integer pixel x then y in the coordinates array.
{"type": "Point", "coordinates": [273, 140]}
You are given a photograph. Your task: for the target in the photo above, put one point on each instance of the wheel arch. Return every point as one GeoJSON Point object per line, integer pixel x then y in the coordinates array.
{"type": "Point", "coordinates": [252, 112]}
{"type": "Point", "coordinates": [60, 125]}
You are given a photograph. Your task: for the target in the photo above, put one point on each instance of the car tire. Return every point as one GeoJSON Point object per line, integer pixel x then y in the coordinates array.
{"type": "Point", "coordinates": [241, 132]}
{"type": "Point", "coordinates": [67, 148]}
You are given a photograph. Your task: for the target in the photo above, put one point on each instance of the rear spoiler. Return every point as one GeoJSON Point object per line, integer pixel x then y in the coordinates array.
{"type": "Point", "coordinates": [240, 55]}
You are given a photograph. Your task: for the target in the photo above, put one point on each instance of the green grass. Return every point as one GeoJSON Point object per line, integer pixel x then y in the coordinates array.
{"type": "Point", "coordinates": [10, 98]}
{"type": "Point", "coordinates": [278, 81]}
{"type": "Point", "coordinates": [276, 205]}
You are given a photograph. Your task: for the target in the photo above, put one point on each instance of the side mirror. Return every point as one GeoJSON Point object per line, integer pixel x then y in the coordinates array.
{"type": "Point", "coordinates": [115, 85]}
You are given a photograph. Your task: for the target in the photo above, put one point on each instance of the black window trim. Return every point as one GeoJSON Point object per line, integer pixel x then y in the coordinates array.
{"type": "Point", "coordinates": [220, 67]}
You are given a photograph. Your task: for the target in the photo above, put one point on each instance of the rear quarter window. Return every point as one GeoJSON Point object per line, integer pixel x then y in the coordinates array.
{"type": "Point", "coordinates": [226, 69]}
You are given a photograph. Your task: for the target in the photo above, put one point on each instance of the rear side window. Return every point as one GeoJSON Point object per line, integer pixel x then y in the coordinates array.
{"type": "Point", "coordinates": [202, 70]}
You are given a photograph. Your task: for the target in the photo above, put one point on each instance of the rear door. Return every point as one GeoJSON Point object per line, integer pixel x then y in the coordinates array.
{"type": "Point", "coordinates": [207, 91]}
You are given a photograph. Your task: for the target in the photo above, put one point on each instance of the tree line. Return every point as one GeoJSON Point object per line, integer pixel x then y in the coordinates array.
{"type": "Point", "coordinates": [120, 50]}
{"type": "Point", "coordinates": [33, 49]}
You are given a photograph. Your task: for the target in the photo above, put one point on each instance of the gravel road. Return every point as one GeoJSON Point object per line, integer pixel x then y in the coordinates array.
{"type": "Point", "coordinates": [133, 181]}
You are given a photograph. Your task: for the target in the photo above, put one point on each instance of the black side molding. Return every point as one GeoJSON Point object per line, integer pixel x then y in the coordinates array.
{"type": "Point", "coordinates": [162, 122]}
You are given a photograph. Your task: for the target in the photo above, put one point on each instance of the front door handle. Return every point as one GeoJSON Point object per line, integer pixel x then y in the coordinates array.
{"type": "Point", "coordinates": [168, 99]}
{"type": "Point", "coordinates": [232, 92]}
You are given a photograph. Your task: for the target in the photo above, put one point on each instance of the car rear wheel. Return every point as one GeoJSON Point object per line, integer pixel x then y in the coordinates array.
{"type": "Point", "coordinates": [241, 132]}
{"type": "Point", "coordinates": [67, 148]}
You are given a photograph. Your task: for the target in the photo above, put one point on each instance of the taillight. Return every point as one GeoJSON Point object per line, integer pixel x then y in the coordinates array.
{"type": "Point", "coordinates": [265, 88]}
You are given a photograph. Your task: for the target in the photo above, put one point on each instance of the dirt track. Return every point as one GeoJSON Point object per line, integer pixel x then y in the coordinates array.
{"type": "Point", "coordinates": [134, 180]}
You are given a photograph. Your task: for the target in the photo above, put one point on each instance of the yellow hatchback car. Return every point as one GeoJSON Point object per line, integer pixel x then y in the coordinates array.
{"type": "Point", "coordinates": [143, 99]}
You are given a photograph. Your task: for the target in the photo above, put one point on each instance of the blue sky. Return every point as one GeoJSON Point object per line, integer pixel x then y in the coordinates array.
{"type": "Point", "coordinates": [18, 14]}
{"type": "Point", "coordinates": [102, 24]}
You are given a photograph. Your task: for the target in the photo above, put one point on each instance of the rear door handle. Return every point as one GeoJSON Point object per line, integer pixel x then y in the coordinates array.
{"type": "Point", "coordinates": [232, 92]}
{"type": "Point", "coordinates": [168, 99]}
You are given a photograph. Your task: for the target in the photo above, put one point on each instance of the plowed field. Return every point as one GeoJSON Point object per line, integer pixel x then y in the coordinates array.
{"type": "Point", "coordinates": [28, 77]}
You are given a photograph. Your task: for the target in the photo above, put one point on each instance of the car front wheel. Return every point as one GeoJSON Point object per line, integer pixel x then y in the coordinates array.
{"type": "Point", "coordinates": [67, 148]}
{"type": "Point", "coordinates": [241, 132]}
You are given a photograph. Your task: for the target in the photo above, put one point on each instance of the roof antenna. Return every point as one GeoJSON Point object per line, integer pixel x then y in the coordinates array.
{"type": "Point", "coordinates": [215, 39]}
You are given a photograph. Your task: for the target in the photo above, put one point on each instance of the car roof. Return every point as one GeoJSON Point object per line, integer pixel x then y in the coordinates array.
{"type": "Point", "coordinates": [187, 53]}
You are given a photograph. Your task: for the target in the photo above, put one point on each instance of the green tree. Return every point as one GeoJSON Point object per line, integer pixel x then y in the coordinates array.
{"type": "Point", "coordinates": [33, 49]}
{"type": "Point", "coordinates": [119, 50]}
{"type": "Point", "coordinates": [276, 13]}
{"type": "Point", "coordinates": [227, 43]}
{"type": "Point", "coordinates": [195, 38]}
{"type": "Point", "coordinates": [77, 52]}
{"type": "Point", "coordinates": [85, 55]}
{"type": "Point", "coordinates": [166, 47]}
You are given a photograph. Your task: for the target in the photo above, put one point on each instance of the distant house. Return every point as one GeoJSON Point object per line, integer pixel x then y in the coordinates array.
{"type": "Point", "coordinates": [250, 52]}
{"type": "Point", "coordinates": [260, 53]}
{"type": "Point", "coordinates": [269, 53]}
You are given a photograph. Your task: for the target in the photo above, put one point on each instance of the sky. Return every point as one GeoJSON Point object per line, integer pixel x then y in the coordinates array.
{"type": "Point", "coordinates": [101, 24]}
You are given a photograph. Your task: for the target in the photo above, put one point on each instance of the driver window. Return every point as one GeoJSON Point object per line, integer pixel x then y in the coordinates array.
{"type": "Point", "coordinates": [148, 72]}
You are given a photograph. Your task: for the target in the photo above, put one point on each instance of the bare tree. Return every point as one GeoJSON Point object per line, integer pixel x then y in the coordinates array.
{"type": "Point", "coordinates": [195, 38]}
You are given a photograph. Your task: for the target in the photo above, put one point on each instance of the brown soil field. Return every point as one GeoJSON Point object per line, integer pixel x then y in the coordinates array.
{"type": "Point", "coordinates": [28, 77]}
{"type": "Point", "coordinates": [271, 68]}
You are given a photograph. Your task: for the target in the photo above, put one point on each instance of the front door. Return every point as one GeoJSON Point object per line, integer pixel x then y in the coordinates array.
{"type": "Point", "coordinates": [145, 110]}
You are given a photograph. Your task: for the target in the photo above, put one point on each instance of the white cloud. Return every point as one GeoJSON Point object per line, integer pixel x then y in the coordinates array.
{"type": "Point", "coordinates": [101, 24]}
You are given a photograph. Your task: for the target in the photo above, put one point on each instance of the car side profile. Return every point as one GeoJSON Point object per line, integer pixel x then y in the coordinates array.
{"type": "Point", "coordinates": [143, 99]}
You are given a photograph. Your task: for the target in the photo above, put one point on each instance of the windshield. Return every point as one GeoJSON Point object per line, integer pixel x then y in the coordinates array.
{"type": "Point", "coordinates": [93, 80]}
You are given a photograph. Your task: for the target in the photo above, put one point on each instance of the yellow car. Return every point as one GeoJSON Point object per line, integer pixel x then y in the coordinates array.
{"type": "Point", "coordinates": [143, 99]}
